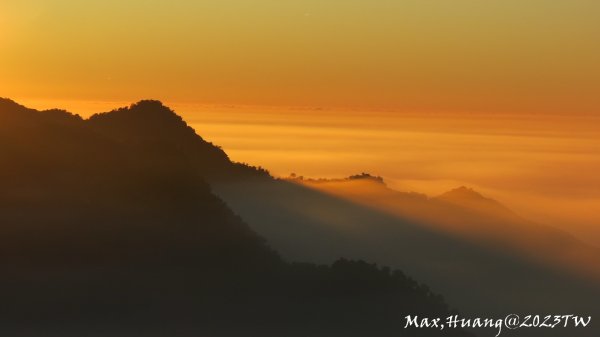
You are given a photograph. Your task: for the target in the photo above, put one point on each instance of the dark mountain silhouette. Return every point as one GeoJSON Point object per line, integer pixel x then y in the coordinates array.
{"type": "Point", "coordinates": [149, 125]}
{"type": "Point", "coordinates": [108, 228]}
{"type": "Point", "coordinates": [461, 212]}
{"type": "Point", "coordinates": [465, 213]}
{"type": "Point", "coordinates": [481, 255]}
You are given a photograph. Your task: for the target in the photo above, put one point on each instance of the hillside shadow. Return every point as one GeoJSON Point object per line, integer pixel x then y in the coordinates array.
{"type": "Point", "coordinates": [306, 224]}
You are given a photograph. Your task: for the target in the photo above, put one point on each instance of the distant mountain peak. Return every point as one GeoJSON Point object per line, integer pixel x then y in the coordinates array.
{"type": "Point", "coordinates": [151, 106]}
{"type": "Point", "coordinates": [357, 177]}
{"type": "Point", "coordinates": [468, 197]}
{"type": "Point", "coordinates": [149, 103]}
{"type": "Point", "coordinates": [367, 176]}
{"type": "Point", "coordinates": [150, 118]}
{"type": "Point", "coordinates": [146, 109]}
{"type": "Point", "coordinates": [463, 193]}
{"type": "Point", "coordinates": [149, 124]}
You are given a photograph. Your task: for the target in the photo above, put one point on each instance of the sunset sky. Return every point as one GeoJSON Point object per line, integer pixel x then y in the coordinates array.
{"type": "Point", "coordinates": [502, 95]}
{"type": "Point", "coordinates": [462, 55]}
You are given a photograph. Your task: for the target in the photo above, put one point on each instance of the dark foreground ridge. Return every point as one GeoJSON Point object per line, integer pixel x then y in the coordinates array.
{"type": "Point", "coordinates": [109, 228]}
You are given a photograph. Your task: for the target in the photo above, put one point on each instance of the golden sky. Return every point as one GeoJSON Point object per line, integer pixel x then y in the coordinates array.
{"type": "Point", "coordinates": [415, 55]}
{"type": "Point", "coordinates": [502, 95]}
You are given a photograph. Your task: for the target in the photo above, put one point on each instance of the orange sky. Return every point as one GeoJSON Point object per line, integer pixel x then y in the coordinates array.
{"type": "Point", "coordinates": [501, 95]}
{"type": "Point", "coordinates": [410, 55]}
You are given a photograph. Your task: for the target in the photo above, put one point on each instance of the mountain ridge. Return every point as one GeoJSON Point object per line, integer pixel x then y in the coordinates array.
{"type": "Point", "coordinates": [113, 234]}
